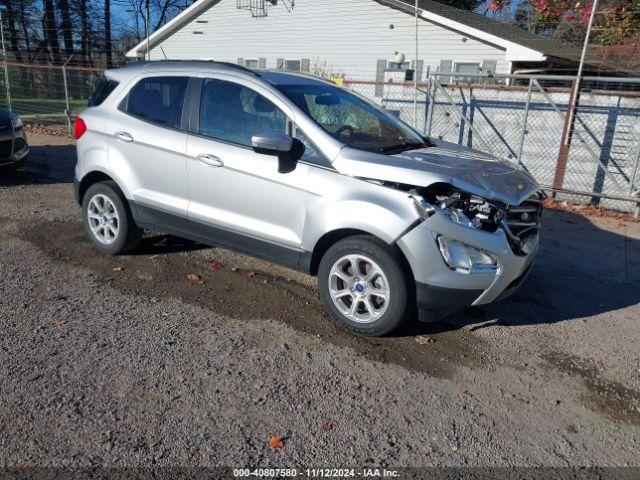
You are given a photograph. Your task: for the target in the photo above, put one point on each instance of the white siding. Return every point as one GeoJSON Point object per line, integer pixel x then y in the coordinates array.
{"type": "Point", "coordinates": [339, 37]}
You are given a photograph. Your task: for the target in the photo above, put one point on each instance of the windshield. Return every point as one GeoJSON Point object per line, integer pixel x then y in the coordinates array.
{"type": "Point", "coordinates": [352, 120]}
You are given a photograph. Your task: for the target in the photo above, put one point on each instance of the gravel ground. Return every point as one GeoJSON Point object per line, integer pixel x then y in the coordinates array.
{"type": "Point", "coordinates": [126, 362]}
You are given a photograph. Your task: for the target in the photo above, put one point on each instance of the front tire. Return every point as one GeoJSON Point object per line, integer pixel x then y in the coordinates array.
{"type": "Point", "coordinates": [365, 285]}
{"type": "Point", "coordinates": [108, 220]}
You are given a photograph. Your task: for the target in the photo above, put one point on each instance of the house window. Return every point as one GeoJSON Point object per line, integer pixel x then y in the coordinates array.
{"type": "Point", "coordinates": [251, 63]}
{"type": "Point", "coordinates": [467, 68]}
{"type": "Point", "coordinates": [293, 65]}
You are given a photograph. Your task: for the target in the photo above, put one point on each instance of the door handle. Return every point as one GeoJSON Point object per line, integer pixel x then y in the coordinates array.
{"type": "Point", "coordinates": [124, 137]}
{"type": "Point", "coordinates": [210, 160]}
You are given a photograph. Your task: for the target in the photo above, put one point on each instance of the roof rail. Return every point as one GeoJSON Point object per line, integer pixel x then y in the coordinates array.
{"type": "Point", "coordinates": [227, 65]}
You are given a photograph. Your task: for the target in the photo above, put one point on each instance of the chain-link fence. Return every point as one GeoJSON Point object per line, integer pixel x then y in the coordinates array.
{"type": "Point", "coordinates": [46, 94]}
{"type": "Point", "coordinates": [590, 156]}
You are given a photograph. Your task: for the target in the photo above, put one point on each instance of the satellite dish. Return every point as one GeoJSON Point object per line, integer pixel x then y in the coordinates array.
{"type": "Point", "coordinates": [398, 58]}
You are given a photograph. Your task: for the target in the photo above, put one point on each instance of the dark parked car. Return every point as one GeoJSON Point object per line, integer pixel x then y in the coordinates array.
{"type": "Point", "coordinates": [13, 141]}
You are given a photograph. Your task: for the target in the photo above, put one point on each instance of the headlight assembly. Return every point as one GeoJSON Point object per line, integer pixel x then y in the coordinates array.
{"type": "Point", "coordinates": [16, 121]}
{"type": "Point", "coordinates": [423, 208]}
{"type": "Point", "coordinates": [461, 207]}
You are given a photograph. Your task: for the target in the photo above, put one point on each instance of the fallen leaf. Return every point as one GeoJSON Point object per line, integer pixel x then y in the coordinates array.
{"type": "Point", "coordinates": [234, 269]}
{"type": "Point", "coordinates": [423, 340]}
{"type": "Point", "coordinates": [193, 277]}
{"type": "Point", "coordinates": [276, 442]}
{"type": "Point", "coordinates": [58, 323]}
{"type": "Point", "coordinates": [326, 426]}
{"type": "Point", "coordinates": [621, 223]}
{"type": "Point", "coordinates": [250, 274]}
{"type": "Point", "coordinates": [117, 269]}
{"type": "Point", "coordinates": [463, 394]}
{"type": "Point", "coordinates": [215, 265]}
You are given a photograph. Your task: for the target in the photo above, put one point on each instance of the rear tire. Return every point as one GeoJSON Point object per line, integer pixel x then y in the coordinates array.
{"type": "Point", "coordinates": [108, 220]}
{"type": "Point", "coordinates": [365, 285]}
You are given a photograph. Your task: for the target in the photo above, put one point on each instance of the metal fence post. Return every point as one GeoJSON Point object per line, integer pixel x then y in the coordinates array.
{"type": "Point", "coordinates": [632, 182]}
{"type": "Point", "coordinates": [432, 106]}
{"type": "Point", "coordinates": [6, 69]}
{"type": "Point", "coordinates": [66, 93]}
{"type": "Point", "coordinates": [525, 120]}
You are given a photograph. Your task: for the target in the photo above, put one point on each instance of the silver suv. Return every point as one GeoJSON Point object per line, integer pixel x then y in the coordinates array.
{"type": "Point", "coordinates": [298, 171]}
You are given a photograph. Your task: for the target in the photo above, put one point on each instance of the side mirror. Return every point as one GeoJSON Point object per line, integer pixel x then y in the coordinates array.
{"type": "Point", "coordinates": [271, 143]}
{"type": "Point", "coordinates": [288, 150]}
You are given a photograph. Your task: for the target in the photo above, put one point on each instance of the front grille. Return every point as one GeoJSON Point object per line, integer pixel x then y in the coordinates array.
{"type": "Point", "coordinates": [522, 222]}
{"type": "Point", "coordinates": [20, 144]}
{"type": "Point", "coordinates": [5, 148]}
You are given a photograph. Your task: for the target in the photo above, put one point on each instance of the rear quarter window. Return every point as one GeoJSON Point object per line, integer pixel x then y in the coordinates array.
{"type": "Point", "coordinates": [104, 87]}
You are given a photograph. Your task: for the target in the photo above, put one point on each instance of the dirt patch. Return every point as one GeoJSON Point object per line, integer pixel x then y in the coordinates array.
{"type": "Point", "coordinates": [588, 210]}
{"type": "Point", "coordinates": [604, 396]}
{"type": "Point", "coordinates": [166, 266]}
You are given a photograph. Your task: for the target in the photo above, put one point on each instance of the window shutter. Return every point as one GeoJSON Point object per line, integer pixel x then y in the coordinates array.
{"type": "Point", "coordinates": [280, 63]}
{"type": "Point", "coordinates": [417, 69]}
{"type": "Point", "coordinates": [489, 66]}
{"type": "Point", "coordinates": [446, 66]}
{"type": "Point", "coordinates": [305, 65]}
{"type": "Point", "coordinates": [262, 63]}
{"type": "Point", "coordinates": [241, 61]}
{"type": "Point", "coordinates": [381, 66]}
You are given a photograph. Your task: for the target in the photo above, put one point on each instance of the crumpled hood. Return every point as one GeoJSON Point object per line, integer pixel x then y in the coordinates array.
{"type": "Point", "coordinates": [470, 170]}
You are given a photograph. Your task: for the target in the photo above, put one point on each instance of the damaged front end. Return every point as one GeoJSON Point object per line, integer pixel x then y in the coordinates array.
{"type": "Point", "coordinates": [521, 223]}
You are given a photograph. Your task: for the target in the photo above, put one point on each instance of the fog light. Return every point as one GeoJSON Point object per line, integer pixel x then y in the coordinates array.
{"type": "Point", "coordinates": [466, 258]}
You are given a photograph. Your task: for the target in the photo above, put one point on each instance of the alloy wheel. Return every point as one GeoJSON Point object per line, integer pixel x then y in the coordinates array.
{"type": "Point", "coordinates": [359, 288]}
{"type": "Point", "coordinates": [103, 219]}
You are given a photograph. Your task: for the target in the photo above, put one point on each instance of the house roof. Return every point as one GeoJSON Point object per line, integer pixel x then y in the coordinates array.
{"type": "Point", "coordinates": [519, 44]}
{"type": "Point", "coordinates": [504, 31]}
{"type": "Point", "coordinates": [484, 24]}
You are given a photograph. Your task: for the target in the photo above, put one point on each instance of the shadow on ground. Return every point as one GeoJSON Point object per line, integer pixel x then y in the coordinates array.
{"type": "Point", "coordinates": [46, 164]}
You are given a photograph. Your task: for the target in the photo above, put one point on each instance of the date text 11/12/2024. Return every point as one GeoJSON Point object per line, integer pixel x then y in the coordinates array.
{"type": "Point", "coordinates": [316, 473]}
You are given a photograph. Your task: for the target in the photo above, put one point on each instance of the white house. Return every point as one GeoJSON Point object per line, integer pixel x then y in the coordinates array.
{"type": "Point", "coordinates": [356, 39]}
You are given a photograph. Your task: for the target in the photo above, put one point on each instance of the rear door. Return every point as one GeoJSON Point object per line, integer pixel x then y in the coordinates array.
{"type": "Point", "coordinates": [147, 149]}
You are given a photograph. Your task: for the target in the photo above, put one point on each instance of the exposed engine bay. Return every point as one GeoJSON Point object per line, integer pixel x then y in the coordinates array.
{"type": "Point", "coordinates": [520, 222]}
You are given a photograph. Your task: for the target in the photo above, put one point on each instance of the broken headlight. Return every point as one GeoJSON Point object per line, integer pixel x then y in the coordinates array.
{"type": "Point", "coordinates": [460, 207]}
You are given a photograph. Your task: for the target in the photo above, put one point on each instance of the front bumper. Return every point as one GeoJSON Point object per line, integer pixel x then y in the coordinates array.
{"type": "Point", "coordinates": [440, 288]}
{"type": "Point", "coordinates": [15, 149]}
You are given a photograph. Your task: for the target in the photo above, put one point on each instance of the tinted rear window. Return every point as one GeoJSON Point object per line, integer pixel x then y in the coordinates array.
{"type": "Point", "coordinates": [103, 89]}
{"type": "Point", "coordinates": [157, 100]}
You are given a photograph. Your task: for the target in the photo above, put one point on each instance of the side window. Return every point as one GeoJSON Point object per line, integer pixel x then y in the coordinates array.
{"type": "Point", "coordinates": [234, 113]}
{"type": "Point", "coordinates": [103, 89]}
{"type": "Point", "coordinates": [157, 100]}
{"type": "Point", "coordinates": [311, 153]}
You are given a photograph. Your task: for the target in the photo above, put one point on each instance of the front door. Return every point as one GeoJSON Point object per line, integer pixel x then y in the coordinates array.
{"type": "Point", "coordinates": [237, 196]}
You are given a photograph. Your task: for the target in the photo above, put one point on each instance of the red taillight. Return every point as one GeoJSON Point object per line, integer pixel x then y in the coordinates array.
{"type": "Point", "coordinates": [79, 128]}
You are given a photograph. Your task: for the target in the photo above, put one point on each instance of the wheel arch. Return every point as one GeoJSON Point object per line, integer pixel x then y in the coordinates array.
{"type": "Point", "coordinates": [93, 177]}
{"type": "Point", "coordinates": [325, 242]}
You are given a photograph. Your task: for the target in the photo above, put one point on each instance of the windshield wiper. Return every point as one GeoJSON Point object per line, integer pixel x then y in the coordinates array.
{"type": "Point", "coordinates": [401, 147]}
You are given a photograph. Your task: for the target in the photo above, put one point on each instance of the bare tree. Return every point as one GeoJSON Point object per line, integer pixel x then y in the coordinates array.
{"type": "Point", "coordinates": [66, 26]}
{"type": "Point", "coordinates": [50, 28]}
{"type": "Point", "coordinates": [107, 33]}
{"type": "Point", "coordinates": [13, 33]}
